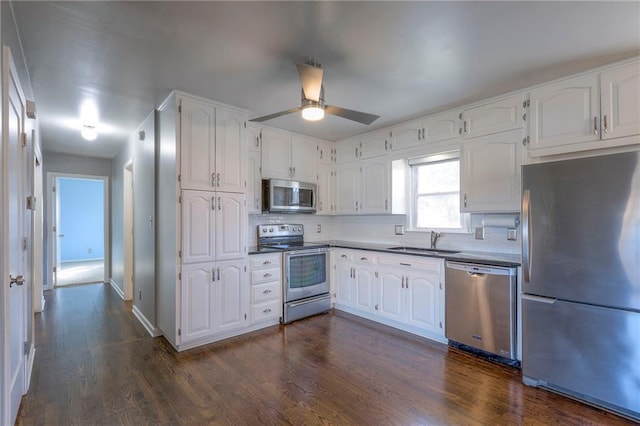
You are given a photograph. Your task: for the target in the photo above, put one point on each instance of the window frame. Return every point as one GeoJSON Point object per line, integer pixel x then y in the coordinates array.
{"type": "Point", "coordinates": [436, 158]}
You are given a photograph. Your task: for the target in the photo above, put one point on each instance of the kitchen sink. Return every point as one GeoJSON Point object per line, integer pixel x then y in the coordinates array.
{"type": "Point", "coordinates": [422, 250]}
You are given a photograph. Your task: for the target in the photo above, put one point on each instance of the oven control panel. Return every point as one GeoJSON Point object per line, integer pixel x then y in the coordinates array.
{"type": "Point", "coordinates": [280, 230]}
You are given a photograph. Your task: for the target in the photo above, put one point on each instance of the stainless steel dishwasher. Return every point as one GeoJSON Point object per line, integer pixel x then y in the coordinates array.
{"type": "Point", "coordinates": [481, 307]}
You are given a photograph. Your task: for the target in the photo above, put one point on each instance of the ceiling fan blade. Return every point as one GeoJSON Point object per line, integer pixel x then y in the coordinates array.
{"type": "Point", "coordinates": [275, 115]}
{"type": "Point", "coordinates": [311, 80]}
{"type": "Point", "coordinates": [360, 117]}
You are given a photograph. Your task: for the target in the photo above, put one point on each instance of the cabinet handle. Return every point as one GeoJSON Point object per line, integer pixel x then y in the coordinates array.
{"type": "Point", "coordinates": [595, 125]}
{"type": "Point", "coordinates": [423, 133]}
{"type": "Point", "coordinates": [402, 283]}
{"type": "Point", "coordinates": [218, 274]}
{"type": "Point", "coordinates": [257, 141]}
{"type": "Point", "coordinates": [213, 179]}
{"type": "Point", "coordinates": [465, 127]}
{"type": "Point", "coordinates": [213, 274]}
{"type": "Point", "coordinates": [356, 151]}
{"type": "Point", "coordinates": [294, 171]}
{"type": "Point", "coordinates": [266, 262]}
{"type": "Point", "coordinates": [257, 203]}
{"type": "Point", "coordinates": [219, 203]}
{"type": "Point", "coordinates": [218, 183]}
{"type": "Point", "coordinates": [465, 200]}
{"type": "Point", "coordinates": [386, 204]}
{"type": "Point", "coordinates": [267, 291]}
{"type": "Point", "coordinates": [344, 256]}
{"type": "Point", "coordinates": [266, 311]}
{"type": "Point", "coordinates": [267, 275]}
{"type": "Point", "coordinates": [364, 259]}
{"type": "Point", "coordinates": [213, 203]}
{"type": "Point", "coordinates": [419, 134]}
{"type": "Point", "coordinates": [605, 128]}
{"type": "Point", "coordinates": [406, 283]}
{"type": "Point", "coordinates": [386, 145]}
{"type": "Point", "coordinates": [405, 264]}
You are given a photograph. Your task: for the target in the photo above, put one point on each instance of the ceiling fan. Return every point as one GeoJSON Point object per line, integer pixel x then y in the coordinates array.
{"type": "Point", "coordinates": [312, 106]}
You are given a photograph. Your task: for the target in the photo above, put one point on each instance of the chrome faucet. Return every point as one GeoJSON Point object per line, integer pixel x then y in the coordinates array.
{"type": "Point", "coordinates": [434, 239]}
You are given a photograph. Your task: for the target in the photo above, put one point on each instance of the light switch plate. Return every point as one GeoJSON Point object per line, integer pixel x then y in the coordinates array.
{"type": "Point", "coordinates": [399, 229]}
{"type": "Point", "coordinates": [480, 233]}
{"type": "Point", "coordinates": [512, 235]}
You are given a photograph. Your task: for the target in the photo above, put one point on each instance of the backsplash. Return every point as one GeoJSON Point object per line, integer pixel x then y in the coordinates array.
{"type": "Point", "coordinates": [381, 229]}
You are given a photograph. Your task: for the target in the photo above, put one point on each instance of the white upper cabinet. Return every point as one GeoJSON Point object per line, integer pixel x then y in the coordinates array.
{"type": "Point", "coordinates": [303, 159]}
{"type": "Point", "coordinates": [288, 157]}
{"type": "Point", "coordinates": [325, 151]}
{"type": "Point", "coordinates": [500, 116]}
{"type": "Point", "coordinates": [621, 101]}
{"type": "Point", "coordinates": [230, 151]}
{"type": "Point", "coordinates": [348, 150]}
{"type": "Point", "coordinates": [254, 137]}
{"type": "Point", "coordinates": [565, 113]}
{"type": "Point", "coordinates": [375, 186]}
{"type": "Point", "coordinates": [197, 142]}
{"type": "Point", "coordinates": [325, 192]}
{"type": "Point", "coordinates": [212, 147]}
{"type": "Point", "coordinates": [441, 127]}
{"type": "Point", "coordinates": [347, 188]}
{"type": "Point", "coordinates": [375, 144]}
{"type": "Point", "coordinates": [490, 173]}
{"type": "Point", "coordinates": [407, 135]}
{"type": "Point", "coordinates": [276, 154]}
{"type": "Point", "coordinates": [254, 183]}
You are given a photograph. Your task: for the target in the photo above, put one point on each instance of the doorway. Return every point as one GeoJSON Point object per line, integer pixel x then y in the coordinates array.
{"type": "Point", "coordinates": [80, 234]}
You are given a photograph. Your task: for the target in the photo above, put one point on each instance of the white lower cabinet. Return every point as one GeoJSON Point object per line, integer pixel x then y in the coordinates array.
{"type": "Point", "coordinates": [406, 292]}
{"type": "Point", "coordinates": [214, 299]}
{"type": "Point", "coordinates": [266, 288]}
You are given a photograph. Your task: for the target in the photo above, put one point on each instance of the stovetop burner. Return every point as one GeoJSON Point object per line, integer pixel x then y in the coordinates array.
{"type": "Point", "coordinates": [285, 237]}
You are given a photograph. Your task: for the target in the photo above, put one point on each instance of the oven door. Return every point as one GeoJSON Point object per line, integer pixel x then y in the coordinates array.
{"type": "Point", "coordinates": [306, 273]}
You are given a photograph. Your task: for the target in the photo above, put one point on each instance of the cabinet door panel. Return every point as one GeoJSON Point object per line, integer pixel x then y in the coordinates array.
{"type": "Point", "coordinates": [230, 226]}
{"type": "Point", "coordinates": [407, 135]}
{"type": "Point", "coordinates": [254, 183]}
{"type": "Point", "coordinates": [391, 294]}
{"type": "Point", "coordinates": [347, 188]}
{"type": "Point", "coordinates": [564, 113]}
{"type": "Point", "coordinates": [621, 101]}
{"type": "Point", "coordinates": [344, 277]}
{"type": "Point", "coordinates": [490, 173]}
{"type": "Point", "coordinates": [375, 186]}
{"type": "Point", "coordinates": [325, 189]}
{"type": "Point", "coordinates": [375, 144]}
{"type": "Point", "coordinates": [230, 151]}
{"type": "Point", "coordinates": [441, 127]}
{"type": "Point", "coordinates": [197, 145]}
{"type": "Point", "coordinates": [198, 224]}
{"type": "Point", "coordinates": [499, 116]}
{"type": "Point", "coordinates": [303, 159]}
{"type": "Point", "coordinates": [347, 151]}
{"type": "Point", "coordinates": [276, 154]}
{"type": "Point", "coordinates": [197, 296]}
{"type": "Point", "coordinates": [423, 304]}
{"type": "Point", "coordinates": [231, 296]}
{"type": "Point", "coordinates": [364, 286]}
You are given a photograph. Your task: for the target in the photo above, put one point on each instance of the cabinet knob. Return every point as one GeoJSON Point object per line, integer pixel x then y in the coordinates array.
{"type": "Point", "coordinates": [266, 262]}
{"type": "Point", "coordinates": [267, 275]}
{"type": "Point", "coordinates": [267, 291]}
{"type": "Point", "coordinates": [266, 311]}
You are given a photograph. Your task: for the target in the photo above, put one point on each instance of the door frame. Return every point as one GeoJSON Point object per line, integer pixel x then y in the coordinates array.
{"type": "Point", "coordinates": [52, 219]}
{"type": "Point", "coordinates": [128, 239]}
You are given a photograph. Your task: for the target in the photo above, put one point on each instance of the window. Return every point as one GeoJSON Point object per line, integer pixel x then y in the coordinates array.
{"type": "Point", "coordinates": [436, 193]}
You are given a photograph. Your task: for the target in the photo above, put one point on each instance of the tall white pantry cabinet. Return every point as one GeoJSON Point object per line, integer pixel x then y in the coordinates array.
{"type": "Point", "coordinates": [202, 267]}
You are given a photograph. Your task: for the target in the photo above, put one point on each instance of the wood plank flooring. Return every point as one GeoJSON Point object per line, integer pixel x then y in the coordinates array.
{"type": "Point", "coordinates": [95, 364]}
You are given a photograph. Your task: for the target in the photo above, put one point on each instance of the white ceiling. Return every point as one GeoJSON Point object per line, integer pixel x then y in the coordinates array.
{"type": "Point", "coordinates": [396, 59]}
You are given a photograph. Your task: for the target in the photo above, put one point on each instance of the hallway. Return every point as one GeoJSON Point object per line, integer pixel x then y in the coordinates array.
{"type": "Point", "coordinates": [95, 364]}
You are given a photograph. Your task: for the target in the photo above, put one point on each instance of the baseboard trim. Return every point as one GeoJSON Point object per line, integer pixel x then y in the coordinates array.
{"type": "Point", "coordinates": [32, 357]}
{"type": "Point", "coordinates": [117, 289]}
{"type": "Point", "coordinates": [153, 331]}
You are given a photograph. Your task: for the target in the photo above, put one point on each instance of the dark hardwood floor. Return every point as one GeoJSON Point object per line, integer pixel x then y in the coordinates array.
{"type": "Point", "coordinates": [95, 364]}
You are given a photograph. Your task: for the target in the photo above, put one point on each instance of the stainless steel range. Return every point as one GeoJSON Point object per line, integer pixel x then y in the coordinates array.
{"type": "Point", "coordinates": [306, 270]}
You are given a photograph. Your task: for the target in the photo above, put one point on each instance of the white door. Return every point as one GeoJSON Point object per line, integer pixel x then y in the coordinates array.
{"type": "Point", "coordinates": [364, 283]}
{"type": "Point", "coordinates": [230, 152]}
{"type": "Point", "coordinates": [230, 226]}
{"type": "Point", "coordinates": [14, 246]}
{"type": "Point", "coordinates": [276, 154]}
{"type": "Point", "coordinates": [197, 145]}
{"type": "Point", "coordinates": [375, 186]}
{"type": "Point", "coordinates": [231, 295]}
{"type": "Point", "coordinates": [197, 313]}
{"type": "Point", "coordinates": [441, 127]}
{"type": "Point", "coordinates": [565, 113]}
{"type": "Point", "coordinates": [325, 189]}
{"type": "Point", "coordinates": [254, 182]}
{"type": "Point", "coordinates": [198, 225]}
{"type": "Point", "coordinates": [407, 135]}
{"type": "Point", "coordinates": [374, 144]}
{"type": "Point", "coordinates": [422, 300]}
{"type": "Point", "coordinates": [621, 101]}
{"type": "Point", "coordinates": [391, 298]}
{"type": "Point", "coordinates": [347, 189]}
{"type": "Point", "coordinates": [344, 276]}
{"type": "Point", "coordinates": [496, 117]}
{"type": "Point", "coordinates": [303, 159]}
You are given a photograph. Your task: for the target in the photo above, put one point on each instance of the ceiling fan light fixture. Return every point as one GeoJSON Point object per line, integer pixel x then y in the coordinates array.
{"type": "Point", "coordinates": [89, 132]}
{"type": "Point", "coordinates": [312, 112]}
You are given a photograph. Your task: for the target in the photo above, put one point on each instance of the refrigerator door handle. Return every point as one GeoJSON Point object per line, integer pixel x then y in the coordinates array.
{"type": "Point", "coordinates": [526, 235]}
{"type": "Point", "coordinates": [547, 300]}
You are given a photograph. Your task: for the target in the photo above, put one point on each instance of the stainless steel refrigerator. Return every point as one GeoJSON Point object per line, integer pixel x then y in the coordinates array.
{"type": "Point", "coordinates": [581, 279]}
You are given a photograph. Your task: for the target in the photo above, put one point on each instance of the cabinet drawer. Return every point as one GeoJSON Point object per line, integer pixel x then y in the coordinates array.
{"type": "Point", "coordinates": [342, 255]}
{"type": "Point", "coordinates": [413, 262]}
{"type": "Point", "coordinates": [264, 292]}
{"type": "Point", "coordinates": [264, 275]}
{"type": "Point", "coordinates": [258, 261]}
{"type": "Point", "coordinates": [365, 258]}
{"type": "Point", "coordinates": [266, 311]}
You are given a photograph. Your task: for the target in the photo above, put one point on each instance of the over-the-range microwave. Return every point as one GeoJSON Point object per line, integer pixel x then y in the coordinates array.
{"type": "Point", "coordinates": [287, 196]}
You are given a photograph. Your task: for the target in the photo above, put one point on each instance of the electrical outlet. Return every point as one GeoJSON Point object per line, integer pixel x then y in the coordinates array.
{"type": "Point", "coordinates": [480, 233]}
{"type": "Point", "coordinates": [319, 229]}
{"type": "Point", "coordinates": [399, 229]}
{"type": "Point", "coordinates": [512, 235]}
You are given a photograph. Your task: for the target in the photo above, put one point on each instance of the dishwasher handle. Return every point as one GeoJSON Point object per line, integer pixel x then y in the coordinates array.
{"type": "Point", "coordinates": [479, 270]}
